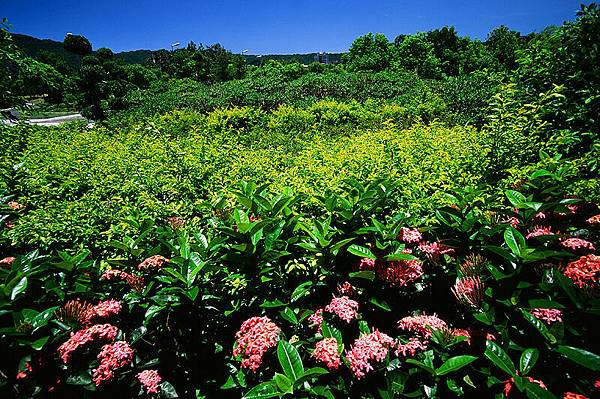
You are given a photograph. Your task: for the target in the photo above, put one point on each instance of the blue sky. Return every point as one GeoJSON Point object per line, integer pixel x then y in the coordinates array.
{"type": "Point", "coordinates": [271, 26]}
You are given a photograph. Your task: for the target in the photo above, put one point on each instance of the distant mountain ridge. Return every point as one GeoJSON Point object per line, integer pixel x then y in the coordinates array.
{"type": "Point", "coordinates": [32, 46]}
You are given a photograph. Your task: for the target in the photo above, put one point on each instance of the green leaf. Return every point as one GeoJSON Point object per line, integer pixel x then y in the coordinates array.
{"type": "Point", "coordinates": [39, 344]}
{"type": "Point", "coordinates": [514, 240]}
{"type": "Point", "coordinates": [361, 251]}
{"type": "Point", "coordinates": [272, 304]}
{"type": "Point", "coordinates": [539, 325]}
{"type": "Point", "coordinates": [497, 355]}
{"type": "Point", "coordinates": [528, 359]}
{"type": "Point", "coordinates": [167, 390]}
{"type": "Point", "coordinates": [534, 391]}
{"type": "Point", "coordinates": [455, 363]}
{"type": "Point", "coordinates": [283, 383]}
{"type": "Point", "coordinates": [516, 198]}
{"type": "Point", "coordinates": [300, 291]}
{"type": "Point", "coordinates": [19, 288]}
{"type": "Point", "coordinates": [381, 304]}
{"type": "Point", "coordinates": [580, 356]}
{"type": "Point", "coordinates": [262, 391]}
{"type": "Point", "coordinates": [290, 360]}
{"type": "Point", "coordinates": [288, 314]}
{"type": "Point", "coordinates": [365, 274]}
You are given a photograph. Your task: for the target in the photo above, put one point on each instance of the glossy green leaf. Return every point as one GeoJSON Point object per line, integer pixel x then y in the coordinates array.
{"type": "Point", "coordinates": [290, 360]}
{"type": "Point", "coordinates": [455, 363]}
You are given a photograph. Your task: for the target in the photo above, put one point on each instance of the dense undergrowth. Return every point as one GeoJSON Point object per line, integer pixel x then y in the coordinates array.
{"type": "Point", "coordinates": [338, 234]}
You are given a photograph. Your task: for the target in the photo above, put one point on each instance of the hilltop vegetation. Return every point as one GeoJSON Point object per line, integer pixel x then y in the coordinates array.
{"type": "Point", "coordinates": [419, 220]}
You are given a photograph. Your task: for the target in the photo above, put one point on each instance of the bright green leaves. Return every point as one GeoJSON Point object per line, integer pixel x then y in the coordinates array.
{"type": "Point", "coordinates": [454, 364]}
{"type": "Point", "coordinates": [528, 359]}
{"type": "Point", "coordinates": [290, 361]}
{"type": "Point", "coordinates": [585, 358]}
{"type": "Point", "coordinates": [499, 358]}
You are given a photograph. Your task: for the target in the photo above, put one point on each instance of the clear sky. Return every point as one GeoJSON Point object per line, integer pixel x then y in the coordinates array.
{"type": "Point", "coordinates": [271, 26]}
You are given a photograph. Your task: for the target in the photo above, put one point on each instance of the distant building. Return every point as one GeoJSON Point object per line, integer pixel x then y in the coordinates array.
{"type": "Point", "coordinates": [322, 58]}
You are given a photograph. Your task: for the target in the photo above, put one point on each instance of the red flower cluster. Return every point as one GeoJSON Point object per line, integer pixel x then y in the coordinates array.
{"type": "Point", "coordinates": [577, 245]}
{"type": "Point", "coordinates": [400, 272]}
{"type": "Point", "coordinates": [75, 310]}
{"type": "Point", "coordinates": [411, 347]}
{"type": "Point", "coordinates": [343, 307]}
{"type": "Point", "coordinates": [548, 316]}
{"type": "Point", "coordinates": [421, 324]}
{"type": "Point", "coordinates": [316, 320]}
{"type": "Point", "coordinates": [112, 357]}
{"type": "Point", "coordinates": [409, 235]}
{"type": "Point", "coordinates": [539, 231]}
{"type": "Point", "coordinates": [175, 222]}
{"type": "Point", "coordinates": [540, 217]}
{"type": "Point", "coordinates": [8, 261]}
{"type": "Point", "coordinates": [346, 289]}
{"type": "Point", "coordinates": [585, 272]}
{"type": "Point", "coordinates": [435, 250]}
{"type": "Point", "coordinates": [149, 380]}
{"type": "Point", "coordinates": [153, 263]}
{"type": "Point", "coordinates": [594, 220]}
{"type": "Point", "coordinates": [82, 338]}
{"type": "Point", "coordinates": [135, 282]}
{"type": "Point", "coordinates": [326, 351]}
{"type": "Point", "coordinates": [469, 291]}
{"type": "Point", "coordinates": [255, 337]}
{"type": "Point", "coordinates": [368, 348]}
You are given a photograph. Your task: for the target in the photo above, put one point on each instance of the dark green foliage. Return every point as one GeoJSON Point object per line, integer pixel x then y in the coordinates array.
{"type": "Point", "coordinates": [77, 44]}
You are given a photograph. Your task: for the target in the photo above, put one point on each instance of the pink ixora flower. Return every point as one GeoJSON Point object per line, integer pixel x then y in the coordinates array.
{"type": "Point", "coordinates": [7, 262]}
{"type": "Point", "coordinates": [594, 220]}
{"type": "Point", "coordinates": [255, 337]}
{"type": "Point", "coordinates": [548, 316]}
{"type": "Point", "coordinates": [135, 282]}
{"type": "Point", "coordinates": [421, 324]}
{"type": "Point", "coordinates": [408, 236]}
{"type": "Point", "coordinates": [316, 320]}
{"type": "Point", "coordinates": [343, 307]}
{"type": "Point", "coordinates": [540, 231]}
{"type": "Point", "coordinates": [366, 264]}
{"type": "Point", "coordinates": [149, 380]}
{"type": "Point", "coordinates": [112, 357]}
{"type": "Point", "coordinates": [153, 263]}
{"type": "Point", "coordinates": [108, 308]}
{"type": "Point", "coordinates": [373, 347]}
{"type": "Point", "coordinates": [541, 217]}
{"type": "Point", "coordinates": [435, 250]}
{"type": "Point", "coordinates": [175, 222]}
{"type": "Point", "coordinates": [400, 272]}
{"type": "Point", "coordinates": [327, 352]}
{"type": "Point", "coordinates": [469, 291]}
{"type": "Point", "coordinates": [585, 272]}
{"type": "Point", "coordinates": [577, 245]}
{"type": "Point", "coordinates": [411, 348]}
{"type": "Point", "coordinates": [15, 206]}
{"type": "Point", "coordinates": [572, 395]}
{"type": "Point", "coordinates": [508, 384]}
{"type": "Point", "coordinates": [346, 289]}
{"type": "Point", "coordinates": [99, 333]}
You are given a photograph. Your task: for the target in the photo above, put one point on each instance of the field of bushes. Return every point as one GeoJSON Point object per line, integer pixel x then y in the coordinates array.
{"type": "Point", "coordinates": [350, 231]}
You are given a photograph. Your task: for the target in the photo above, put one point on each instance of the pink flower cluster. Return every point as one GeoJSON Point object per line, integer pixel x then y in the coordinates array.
{"type": "Point", "coordinates": [327, 352]}
{"type": "Point", "coordinates": [400, 272]}
{"type": "Point", "coordinates": [175, 222]}
{"type": "Point", "coordinates": [112, 357]}
{"type": "Point", "coordinates": [149, 380]}
{"type": "Point", "coordinates": [585, 272]}
{"type": "Point", "coordinates": [316, 320]}
{"type": "Point", "coordinates": [366, 349]}
{"type": "Point", "coordinates": [572, 395]}
{"type": "Point", "coordinates": [411, 348]}
{"type": "Point", "coordinates": [135, 282]}
{"type": "Point", "coordinates": [108, 308]}
{"type": "Point", "coordinates": [577, 245]}
{"type": "Point", "coordinates": [435, 250]}
{"type": "Point", "coordinates": [97, 333]}
{"type": "Point", "coordinates": [540, 231]}
{"type": "Point", "coordinates": [594, 220]}
{"type": "Point", "coordinates": [548, 316]}
{"type": "Point", "coordinates": [409, 236]}
{"type": "Point", "coordinates": [8, 261]}
{"type": "Point", "coordinates": [366, 264]}
{"type": "Point", "coordinates": [343, 307]}
{"type": "Point", "coordinates": [469, 291]}
{"type": "Point", "coordinates": [153, 263]}
{"type": "Point", "coordinates": [346, 289]}
{"type": "Point", "coordinates": [421, 324]}
{"type": "Point", "coordinates": [508, 384]}
{"type": "Point", "coordinates": [15, 206]}
{"type": "Point", "coordinates": [255, 337]}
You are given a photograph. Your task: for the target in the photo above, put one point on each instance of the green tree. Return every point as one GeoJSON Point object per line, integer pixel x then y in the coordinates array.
{"type": "Point", "coordinates": [504, 45]}
{"type": "Point", "coordinates": [370, 53]}
{"type": "Point", "coordinates": [77, 44]}
{"type": "Point", "coordinates": [415, 53]}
